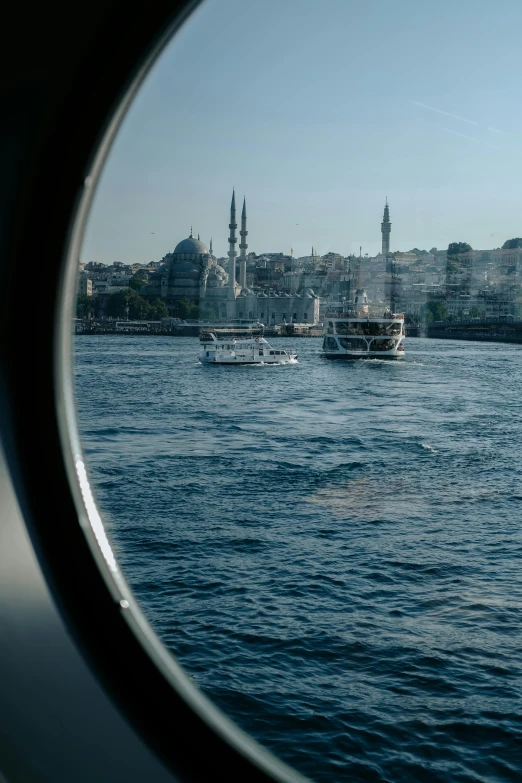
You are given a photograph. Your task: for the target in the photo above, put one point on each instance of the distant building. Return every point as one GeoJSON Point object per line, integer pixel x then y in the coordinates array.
{"type": "Point", "coordinates": [84, 284]}
{"type": "Point", "coordinates": [386, 230]}
{"type": "Point", "coordinates": [192, 272]}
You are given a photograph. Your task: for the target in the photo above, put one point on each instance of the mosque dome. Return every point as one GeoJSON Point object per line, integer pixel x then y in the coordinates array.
{"type": "Point", "coordinates": [218, 271]}
{"type": "Point", "coordinates": [217, 277]}
{"type": "Point", "coordinates": [190, 246]}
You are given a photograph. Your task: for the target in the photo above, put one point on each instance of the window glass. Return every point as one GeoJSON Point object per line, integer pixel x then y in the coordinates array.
{"type": "Point", "coordinates": [327, 534]}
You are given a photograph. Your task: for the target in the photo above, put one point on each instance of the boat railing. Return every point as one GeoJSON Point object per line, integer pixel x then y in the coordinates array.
{"type": "Point", "coordinates": [368, 313]}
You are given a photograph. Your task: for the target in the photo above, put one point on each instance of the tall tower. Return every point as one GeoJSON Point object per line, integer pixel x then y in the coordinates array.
{"type": "Point", "coordinates": [386, 230]}
{"type": "Point", "coordinates": [243, 248]}
{"type": "Point", "coordinates": [210, 248]}
{"type": "Point", "coordinates": [231, 300]}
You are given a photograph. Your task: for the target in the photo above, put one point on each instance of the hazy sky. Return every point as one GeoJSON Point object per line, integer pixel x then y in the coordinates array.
{"type": "Point", "coordinates": [317, 110]}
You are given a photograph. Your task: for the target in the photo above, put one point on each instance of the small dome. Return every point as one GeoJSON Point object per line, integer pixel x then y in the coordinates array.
{"type": "Point", "coordinates": [309, 291]}
{"type": "Point", "coordinates": [191, 246]}
{"type": "Point", "coordinates": [217, 271]}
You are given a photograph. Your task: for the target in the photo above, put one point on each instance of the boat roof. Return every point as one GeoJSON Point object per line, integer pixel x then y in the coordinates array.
{"type": "Point", "coordinates": [211, 336]}
{"type": "Point", "coordinates": [365, 318]}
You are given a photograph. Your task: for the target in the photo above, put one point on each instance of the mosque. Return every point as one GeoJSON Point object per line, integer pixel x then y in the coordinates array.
{"type": "Point", "coordinates": [192, 272]}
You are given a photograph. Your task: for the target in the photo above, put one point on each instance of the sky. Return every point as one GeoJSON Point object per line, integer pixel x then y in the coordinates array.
{"type": "Point", "coordinates": [316, 111]}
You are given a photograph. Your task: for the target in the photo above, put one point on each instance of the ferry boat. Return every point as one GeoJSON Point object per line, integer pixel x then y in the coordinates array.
{"type": "Point", "coordinates": [242, 350]}
{"type": "Point", "coordinates": [364, 331]}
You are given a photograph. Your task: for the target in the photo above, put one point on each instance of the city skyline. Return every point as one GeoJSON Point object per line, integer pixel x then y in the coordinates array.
{"type": "Point", "coordinates": [384, 244]}
{"type": "Point", "coordinates": [319, 133]}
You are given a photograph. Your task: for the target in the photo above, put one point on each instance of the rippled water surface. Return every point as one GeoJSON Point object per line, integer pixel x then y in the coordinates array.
{"type": "Point", "coordinates": [332, 550]}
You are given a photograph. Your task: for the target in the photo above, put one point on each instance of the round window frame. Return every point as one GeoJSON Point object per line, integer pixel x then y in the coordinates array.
{"type": "Point", "coordinates": [92, 597]}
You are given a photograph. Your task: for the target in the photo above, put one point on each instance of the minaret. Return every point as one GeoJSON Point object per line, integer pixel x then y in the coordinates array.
{"type": "Point", "coordinates": [210, 248]}
{"type": "Point", "coordinates": [386, 230]}
{"type": "Point", "coordinates": [243, 248]}
{"type": "Point", "coordinates": [231, 303]}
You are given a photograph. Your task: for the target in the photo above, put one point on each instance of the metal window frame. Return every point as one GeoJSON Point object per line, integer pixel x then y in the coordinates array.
{"type": "Point", "coordinates": [87, 691]}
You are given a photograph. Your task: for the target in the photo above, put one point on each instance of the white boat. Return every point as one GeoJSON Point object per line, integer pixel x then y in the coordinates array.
{"type": "Point", "coordinates": [364, 331]}
{"type": "Point", "coordinates": [242, 350]}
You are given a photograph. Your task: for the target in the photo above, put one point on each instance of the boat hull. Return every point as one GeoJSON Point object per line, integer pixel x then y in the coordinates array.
{"type": "Point", "coordinates": [236, 362]}
{"type": "Point", "coordinates": [355, 357]}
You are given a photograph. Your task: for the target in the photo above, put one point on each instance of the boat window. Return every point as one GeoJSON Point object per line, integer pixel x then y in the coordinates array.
{"type": "Point", "coordinates": [382, 345]}
{"type": "Point", "coordinates": [353, 344]}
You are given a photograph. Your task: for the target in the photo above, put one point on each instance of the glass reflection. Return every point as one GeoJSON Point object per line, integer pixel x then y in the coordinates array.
{"type": "Point", "coordinates": [330, 548]}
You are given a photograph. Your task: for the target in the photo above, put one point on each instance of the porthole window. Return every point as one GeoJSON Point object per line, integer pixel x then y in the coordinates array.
{"type": "Point", "coordinates": [329, 549]}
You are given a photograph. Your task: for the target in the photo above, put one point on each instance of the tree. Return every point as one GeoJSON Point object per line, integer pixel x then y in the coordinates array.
{"type": "Point", "coordinates": [117, 304]}
{"type": "Point", "coordinates": [85, 306]}
{"type": "Point", "coordinates": [128, 302]}
{"type": "Point", "coordinates": [136, 283]}
{"type": "Point", "coordinates": [157, 310]}
{"type": "Point", "coordinates": [454, 248]}
{"type": "Point", "coordinates": [207, 313]}
{"type": "Point", "coordinates": [511, 244]}
{"type": "Point", "coordinates": [474, 312]}
{"type": "Point", "coordinates": [441, 311]}
{"type": "Point", "coordinates": [186, 308]}
{"type": "Point", "coordinates": [435, 310]}
{"type": "Point", "coordinates": [433, 250]}
{"type": "Point", "coordinates": [139, 308]}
